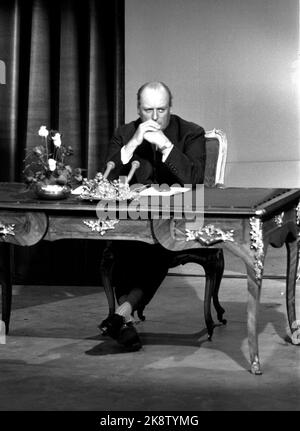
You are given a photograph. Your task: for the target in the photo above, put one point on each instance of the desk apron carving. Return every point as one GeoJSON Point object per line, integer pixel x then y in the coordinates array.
{"type": "Point", "coordinates": [209, 235]}
{"type": "Point", "coordinates": [257, 245]}
{"type": "Point", "coordinates": [101, 226]}
{"type": "Point", "coordinates": [6, 229]}
{"type": "Point", "coordinates": [23, 228]}
{"type": "Point", "coordinates": [278, 219]}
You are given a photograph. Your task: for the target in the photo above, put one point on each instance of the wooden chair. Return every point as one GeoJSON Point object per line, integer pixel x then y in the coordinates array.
{"type": "Point", "coordinates": [212, 260]}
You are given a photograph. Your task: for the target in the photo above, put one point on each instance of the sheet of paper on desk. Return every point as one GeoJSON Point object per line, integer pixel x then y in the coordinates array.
{"type": "Point", "coordinates": [77, 191]}
{"type": "Point", "coordinates": [151, 191]}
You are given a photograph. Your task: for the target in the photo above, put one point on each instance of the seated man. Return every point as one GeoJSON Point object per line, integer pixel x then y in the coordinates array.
{"type": "Point", "coordinates": [170, 151]}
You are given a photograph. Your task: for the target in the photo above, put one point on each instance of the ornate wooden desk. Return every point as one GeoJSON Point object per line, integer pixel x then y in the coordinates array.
{"type": "Point", "coordinates": [243, 220]}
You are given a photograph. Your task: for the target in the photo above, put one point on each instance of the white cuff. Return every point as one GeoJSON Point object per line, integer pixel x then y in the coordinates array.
{"type": "Point", "coordinates": [166, 152]}
{"type": "Point", "coordinates": [125, 155]}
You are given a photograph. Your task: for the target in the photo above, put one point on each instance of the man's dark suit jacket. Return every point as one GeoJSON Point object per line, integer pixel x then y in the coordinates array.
{"type": "Point", "coordinates": [184, 165]}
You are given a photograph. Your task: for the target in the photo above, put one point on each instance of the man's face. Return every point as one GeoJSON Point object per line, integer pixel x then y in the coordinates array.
{"type": "Point", "coordinates": [155, 105]}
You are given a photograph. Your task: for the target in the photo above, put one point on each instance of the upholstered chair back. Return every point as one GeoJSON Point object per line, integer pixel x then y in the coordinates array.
{"type": "Point", "coordinates": [216, 153]}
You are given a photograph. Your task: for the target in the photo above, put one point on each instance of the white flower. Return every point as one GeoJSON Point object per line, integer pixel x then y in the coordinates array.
{"type": "Point", "coordinates": [57, 140]}
{"type": "Point", "coordinates": [43, 131]}
{"type": "Point", "coordinates": [52, 164]}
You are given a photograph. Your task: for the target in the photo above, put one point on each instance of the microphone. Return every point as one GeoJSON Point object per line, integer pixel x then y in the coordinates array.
{"type": "Point", "coordinates": [134, 166]}
{"type": "Point", "coordinates": [109, 167]}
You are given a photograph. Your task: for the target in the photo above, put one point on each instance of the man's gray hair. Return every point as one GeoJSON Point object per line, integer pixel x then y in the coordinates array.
{"type": "Point", "coordinates": [154, 85]}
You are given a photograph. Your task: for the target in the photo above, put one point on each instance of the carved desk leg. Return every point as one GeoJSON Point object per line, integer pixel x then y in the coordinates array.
{"type": "Point", "coordinates": [6, 282]}
{"type": "Point", "coordinates": [250, 249]}
{"type": "Point", "coordinates": [255, 267]}
{"type": "Point", "coordinates": [292, 264]}
{"type": "Point", "coordinates": [254, 261]}
{"type": "Point", "coordinates": [254, 290]}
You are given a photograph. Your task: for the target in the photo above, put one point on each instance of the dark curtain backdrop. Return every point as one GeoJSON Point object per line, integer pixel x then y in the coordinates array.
{"type": "Point", "coordinates": [64, 69]}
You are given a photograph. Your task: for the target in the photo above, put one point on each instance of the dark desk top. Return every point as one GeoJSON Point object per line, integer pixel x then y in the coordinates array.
{"type": "Point", "coordinates": [249, 201]}
{"type": "Point", "coordinates": [231, 201]}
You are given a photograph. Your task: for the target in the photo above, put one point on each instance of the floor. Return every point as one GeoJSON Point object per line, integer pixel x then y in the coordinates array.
{"type": "Point", "coordinates": [55, 359]}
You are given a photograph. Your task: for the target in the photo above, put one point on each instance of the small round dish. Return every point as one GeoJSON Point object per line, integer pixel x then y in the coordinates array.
{"type": "Point", "coordinates": [52, 191]}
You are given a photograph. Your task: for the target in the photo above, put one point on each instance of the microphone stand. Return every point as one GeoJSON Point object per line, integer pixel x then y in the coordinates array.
{"type": "Point", "coordinates": [134, 166]}
{"type": "Point", "coordinates": [109, 167]}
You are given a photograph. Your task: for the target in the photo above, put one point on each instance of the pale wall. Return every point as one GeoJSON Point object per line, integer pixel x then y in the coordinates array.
{"type": "Point", "coordinates": [230, 66]}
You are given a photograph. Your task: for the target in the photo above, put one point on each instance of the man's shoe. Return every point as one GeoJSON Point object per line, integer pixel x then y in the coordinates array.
{"type": "Point", "coordinates": [129, 337]}
{"type": "Point", "coordinates": [112, 325]}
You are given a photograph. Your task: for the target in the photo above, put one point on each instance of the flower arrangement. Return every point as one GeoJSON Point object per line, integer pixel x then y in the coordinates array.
{"type": "Point", "coordinates": [100, 188]}
{"type": "Point", "coordinates": [46, 163]}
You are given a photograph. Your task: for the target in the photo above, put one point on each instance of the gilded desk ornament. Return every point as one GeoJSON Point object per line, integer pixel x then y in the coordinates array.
{"type": "Point", "coordinates": [255, 366]}
{"type": "Point", "coordinates": [6, 229]}
{"type": "Point", "coordinates": [278, 219]}
{"type": "Point", "coordinates": [209, 235]}
{"type": "Point", "coordinates": [101, 226]}
{"type": "Point", "coordinates": [298, 214]}
{"type": "Point", "coordinates": [257, 244]}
